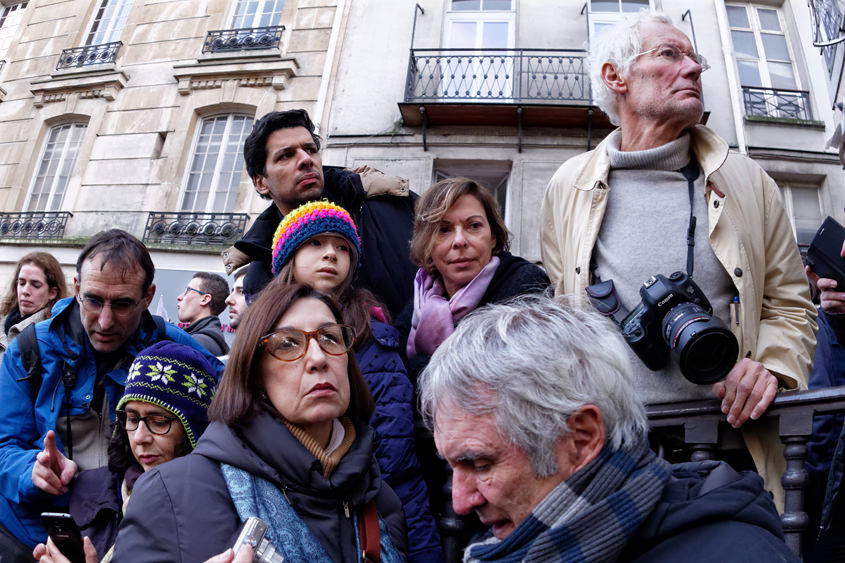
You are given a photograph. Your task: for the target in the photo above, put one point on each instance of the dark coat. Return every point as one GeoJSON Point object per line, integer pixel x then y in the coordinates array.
{"type": "Point", "coordinates": [385, 224]}
{"type": "Point", "coordinates": [181, 511]}
{"type": "Point", "coordinates": [826, 448]}
{"type": "Point", "coordinates": [209, 333]}
{"type": "Point", "coordinates": [393, 440]}
{"type": "Point", "coordinates": [514, 276]}
{"type": "Point", "coordinates": [709, 512]}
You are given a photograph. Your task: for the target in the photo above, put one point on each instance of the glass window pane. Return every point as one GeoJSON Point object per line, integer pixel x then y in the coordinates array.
{"type": "Point", "coordinates": [496, 5]}
{"type": "Point", "coordinates": [604, 6]}
{"type": "Point", "coordinates": [495, 35]}
{"type": "Point", "coordinates": [737, 16]}
{"type": "Point", "coordinates": [749, 73]}
{"type": "Point", "coordinates": [807, 212]}
{"type": "Point", "coordinates": [463, 35]}
{"type": "Point", "coordinates": [460, 5]}
{"type": "Point", "coordinates": [775, 47]}
{"type": "Point", "coordinates": [781, 75]}
{"type": "Point", "coordinates": [634, 5]}
{"type": "Point", "coordinates": [217, 164]}
{"type": "Point", "coordinates": [744, 45]}
{"type": "Point", "coordinates": [57, 163]}
{"type": "Point", "coordinates": [768, 19]}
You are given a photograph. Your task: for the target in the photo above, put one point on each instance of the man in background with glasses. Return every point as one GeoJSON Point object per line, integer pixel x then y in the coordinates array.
{"type": "Point", "coordinates": [57, 420]}
{"type": "Point", "coordinates": [662, 194]}
{"type": "Point", "coordinates": [199, 306]}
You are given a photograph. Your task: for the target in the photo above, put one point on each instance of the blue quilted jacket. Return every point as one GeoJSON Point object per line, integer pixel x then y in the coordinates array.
{"type": "Point", "coordinates": [394, 447]}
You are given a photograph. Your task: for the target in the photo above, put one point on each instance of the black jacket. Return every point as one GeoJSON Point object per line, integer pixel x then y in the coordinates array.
{"type": "Point", "coordinates": [209, 333]}
{"type": "Point", "coordinates": [181, 511]}
{"type": "Point", "coordinates": [385, 224]}
{"type": "Point", "coordinates": [709, 512]}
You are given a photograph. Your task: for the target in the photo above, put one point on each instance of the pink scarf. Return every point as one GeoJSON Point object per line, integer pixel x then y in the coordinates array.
{"type": "Point", "coordinates": [435, 317]}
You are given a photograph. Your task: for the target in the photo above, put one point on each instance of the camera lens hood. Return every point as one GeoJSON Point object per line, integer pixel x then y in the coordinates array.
{"type": "Point", "coordinates": [704, 348]}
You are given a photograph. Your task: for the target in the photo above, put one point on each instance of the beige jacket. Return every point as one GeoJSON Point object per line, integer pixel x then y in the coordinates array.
{"type": "Point", "coordinates": [751, 236]}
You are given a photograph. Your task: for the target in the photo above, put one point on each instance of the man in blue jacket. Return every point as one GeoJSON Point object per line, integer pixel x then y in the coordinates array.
{"type": "Point", "coordinates": [57, 422]}
{"type": "Point", "coordinates": [532, 403]}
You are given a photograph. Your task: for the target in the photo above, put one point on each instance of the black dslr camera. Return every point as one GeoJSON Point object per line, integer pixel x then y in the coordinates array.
{"type": "Point", "coordinates": [674, 315]}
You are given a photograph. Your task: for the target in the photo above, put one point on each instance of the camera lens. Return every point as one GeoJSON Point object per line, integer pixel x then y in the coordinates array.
{"type": "Point", "coordinates": [702, 345]}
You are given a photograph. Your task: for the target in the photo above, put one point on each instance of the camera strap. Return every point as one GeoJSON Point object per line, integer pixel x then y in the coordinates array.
{"type": "Point", "coordinates": [691, 173]}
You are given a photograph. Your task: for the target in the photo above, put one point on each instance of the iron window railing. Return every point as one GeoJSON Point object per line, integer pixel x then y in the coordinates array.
{"type": "Point", "coordinates": [245, 39]}
{"type": "Point", "coordinates": [518, 75]}
{"type": "Point", "coordinates": [776, 102]}
{"type": "Point", "coordinates": [198, 229]}
{"type": "Point", "coordinates": [34, 224]}
{"type": "Point", "coordinates": [89, 55]}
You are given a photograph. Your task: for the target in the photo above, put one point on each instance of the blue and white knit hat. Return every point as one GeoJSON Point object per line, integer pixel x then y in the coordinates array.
{"type": "Point", "coordinates": [176, 378]}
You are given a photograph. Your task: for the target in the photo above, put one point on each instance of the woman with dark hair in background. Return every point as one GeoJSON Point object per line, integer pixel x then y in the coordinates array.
{"type": "Point", "coordinates": [36, 286]}
{"type": "Point", "coordinates": [160, 417]}
{"type": "Point", "coordinates": [288, 443]}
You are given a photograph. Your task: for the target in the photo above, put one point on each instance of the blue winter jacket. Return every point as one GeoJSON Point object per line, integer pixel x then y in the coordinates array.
{"type": "Point", "coordinates": [393, 441]}
{"type": "Point", "coordinates": [23, 426]}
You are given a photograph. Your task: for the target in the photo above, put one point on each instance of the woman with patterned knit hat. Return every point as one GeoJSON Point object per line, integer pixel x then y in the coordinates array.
{"type": "Point", "coordinates": [317, 244]}
{"type": "Point", "coordinates": [161, 416]}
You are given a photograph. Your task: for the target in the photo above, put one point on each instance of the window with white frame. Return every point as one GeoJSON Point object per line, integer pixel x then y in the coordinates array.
{"type": "Point", "coordinates": [217, 163]}
{"type": "Point", "coordinates": [762, 51]}
{"type": "Point", "coordinates": [492, 174]}
{"type": "Point", "coordinates": [58, 157]}
{"type": "Point", "coordinates": [257, 13]}
{"type": "Point", "coordinates": [10, 18]}
{"type": "Point", "coordinates": [604, 13]}
{"type": "Point", "coordinates": [804, 206]}
{"type": "Point", "coordinates": [108, 21]}
{"type": "Point", "coordinates": [477, 28]}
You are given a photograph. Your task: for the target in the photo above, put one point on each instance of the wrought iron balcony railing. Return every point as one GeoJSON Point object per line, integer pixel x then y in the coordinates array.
{"type": "Point", "coordinates": [198, 229]}
{"type": "Point", "coordinates": [705, 432]}
{"type": "Point", "coordinates": [505, 75]}
{"type": "Point", "coordinates": [776, 102]}
{"type": "Point", "coordinates": [245, 39]}
{"type": "Point", "coordinates": [89, 55]}
{"type": "Point", "coordinates": [34, 224]}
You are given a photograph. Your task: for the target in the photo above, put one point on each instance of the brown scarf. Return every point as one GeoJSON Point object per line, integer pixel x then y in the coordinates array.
{"type": "Point", "coordinates": [329, 462]}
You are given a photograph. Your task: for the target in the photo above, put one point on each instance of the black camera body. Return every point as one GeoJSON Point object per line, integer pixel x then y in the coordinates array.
{"type": "Point", "coordinates": [675, 317]}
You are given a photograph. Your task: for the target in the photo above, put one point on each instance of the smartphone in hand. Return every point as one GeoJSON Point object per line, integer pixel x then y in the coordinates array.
{"type": "Point", "coordinates": [64, 532]}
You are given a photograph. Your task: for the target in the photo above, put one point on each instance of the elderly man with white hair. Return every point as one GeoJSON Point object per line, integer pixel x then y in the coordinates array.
{"type": "Point", "coordinates": [662, 195]}
{"type": "Point", "coordinates": [533, 406]}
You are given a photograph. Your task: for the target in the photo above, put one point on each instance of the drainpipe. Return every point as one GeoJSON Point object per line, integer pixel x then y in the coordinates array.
{"type": "Point", "coordinates": [734, 89]}
{"type": "Point", "coordinates": [322, 93]}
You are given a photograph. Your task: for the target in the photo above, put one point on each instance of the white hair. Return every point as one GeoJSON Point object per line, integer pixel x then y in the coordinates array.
{"type": "Point", "coordinates": [531, 362]}
{"type": "Point", "coordinates": [617, 45]}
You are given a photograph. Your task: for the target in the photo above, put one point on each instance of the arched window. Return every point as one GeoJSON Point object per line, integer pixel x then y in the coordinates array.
{"type": "Point", "coordinates": [216, 164]}
{"type": "Point", "coordinates": [58, 157]}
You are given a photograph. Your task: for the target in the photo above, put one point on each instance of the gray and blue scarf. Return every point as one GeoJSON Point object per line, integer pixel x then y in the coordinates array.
{"type": "Point", "coordinates": [589, 517]}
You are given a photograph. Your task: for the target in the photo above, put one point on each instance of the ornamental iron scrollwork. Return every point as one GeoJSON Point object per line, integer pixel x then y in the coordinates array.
{"type": "Point", "coordinates": [244, 39]}
{"type": "Point", "coordinates": [34, 224]}
{"type": "Point", "coordinates": [198, 229]}
{"type": "Point", "coordinates": [89, 55]}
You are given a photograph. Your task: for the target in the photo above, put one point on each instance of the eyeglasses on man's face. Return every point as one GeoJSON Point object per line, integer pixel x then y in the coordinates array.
{"type": "Point", "coordinates": [289, 344]}
{"type": "Point", "coordinates": [156, 423]}
{"type": "Point", "coordinates": [119, 307]}
{"type": "Point", "coordinates": [674, 54]}
{"type": "Point", "coordinates": [189, 288]}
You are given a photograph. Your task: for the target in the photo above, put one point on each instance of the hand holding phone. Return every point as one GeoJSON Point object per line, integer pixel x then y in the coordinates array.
{"type": "Point", "coordinates": [825, 253]}
{"type": "Point", "coordinates": [65, 534]}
